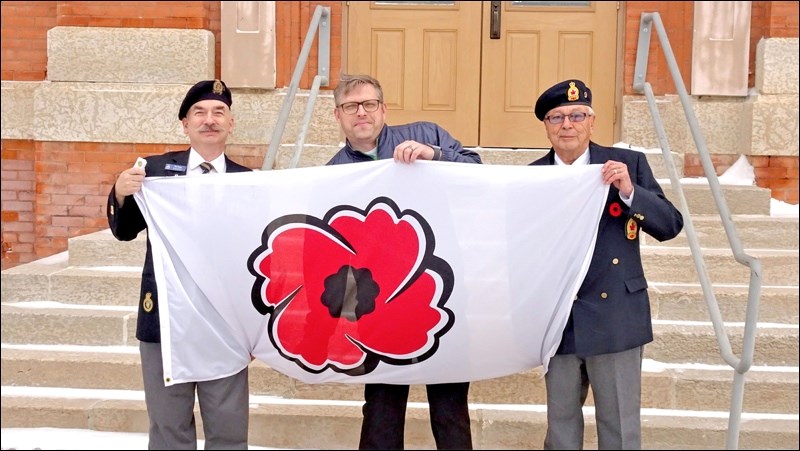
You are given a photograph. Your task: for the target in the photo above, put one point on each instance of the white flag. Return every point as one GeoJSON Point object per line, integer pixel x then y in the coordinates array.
{"type": "Point", "coordinates": [376, 272]}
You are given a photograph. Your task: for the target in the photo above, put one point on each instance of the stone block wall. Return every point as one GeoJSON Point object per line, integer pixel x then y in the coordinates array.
{"type": "Point", "coordinates": [762, 126]}
{"type": "Point", "coordinates": [82, 54]}
{"type": "Point", "coordinates": [65, 139]}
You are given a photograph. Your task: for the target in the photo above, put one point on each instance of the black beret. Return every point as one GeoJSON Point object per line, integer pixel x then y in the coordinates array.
{"type": "Point", "coordinates": [569, 92]}
{"type": "Point", "coordinates": [205, 90]}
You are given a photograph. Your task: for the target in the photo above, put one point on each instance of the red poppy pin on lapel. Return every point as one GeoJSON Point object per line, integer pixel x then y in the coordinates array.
{"type": "Point", "coordinates": [614, 209]}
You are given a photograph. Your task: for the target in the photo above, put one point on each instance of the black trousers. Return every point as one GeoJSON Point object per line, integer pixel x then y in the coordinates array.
{"type": "Point", "coordinates": [384, 420]}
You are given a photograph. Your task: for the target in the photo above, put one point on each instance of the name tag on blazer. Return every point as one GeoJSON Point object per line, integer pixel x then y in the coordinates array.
{"type": "Point", "coordinates": [175, 168]}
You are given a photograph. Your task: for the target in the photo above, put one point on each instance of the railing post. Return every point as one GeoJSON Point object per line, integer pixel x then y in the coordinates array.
{"type": "Point", "coordinates": [740, 364]}
{"type": "Point", "coordinates": [321, 20]}
{"type": "Point", "coordinates": [642, 52]}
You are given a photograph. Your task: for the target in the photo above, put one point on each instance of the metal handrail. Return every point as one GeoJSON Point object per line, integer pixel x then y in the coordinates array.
{"type": "Point", "coordinates": [320, 20]}
{"type": "Point", "coordinates": [740, 365]}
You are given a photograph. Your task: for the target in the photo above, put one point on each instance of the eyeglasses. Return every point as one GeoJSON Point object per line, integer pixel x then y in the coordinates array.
{"type": "Point", "coordinates": [573, 117]}
{"type": "Point", "coordinates": [370, 106]}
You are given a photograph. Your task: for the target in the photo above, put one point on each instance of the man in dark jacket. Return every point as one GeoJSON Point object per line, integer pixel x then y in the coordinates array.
{"type": "Point", "coordinates": [361, 114]}
{"type": "Point", "coordinates": [207, 121]}
{"type": "Point", "coordinates": [610, 322]}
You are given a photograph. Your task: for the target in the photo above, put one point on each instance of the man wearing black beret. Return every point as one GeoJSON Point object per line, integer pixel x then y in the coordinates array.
{"type": "Point", "coordinates": [207, 120]}
{"type": "Point", "coordinates": [603, 341]}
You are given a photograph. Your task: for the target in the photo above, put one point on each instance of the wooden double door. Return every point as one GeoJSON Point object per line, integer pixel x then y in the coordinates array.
{"type": "Point", "coordinates": [477, 68]}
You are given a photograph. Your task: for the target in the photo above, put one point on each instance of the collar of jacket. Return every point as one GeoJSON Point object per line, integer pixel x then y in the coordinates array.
{"type": "Point", "coordinates": [361, 155]}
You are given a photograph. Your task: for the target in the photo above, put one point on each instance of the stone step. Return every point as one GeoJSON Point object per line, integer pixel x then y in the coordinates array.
{"type": "Point", "coordinates": [665, 386]}
{"type": "Point", "coordinates": [675, 341]}
{"type": "Point", "coordinates": [686, 341]}
{"type": "Point", "coordinates": [750, 206]}
{"type": "Point", "coordinates": [82, 285]}
{"type": "Point", "coordinates": [526, 156]}
{"type": "Point", "coordinates": [514, 157]}
{"type": "Point", "coordinates": [53, 323]}
{"type": "Point", "coordinates": [119, 285]}
{"type": "Point", "coordinates": [741, 199]}
{"type": "Point", "coordinates": [102, 249]}
{"type": "Point", "coordinates": [282, 423]}
{"type": "Point", "coordinates": [676, 265]}
{"type": "Point", "coordinates": [777, 304]}
{"type": "Point", "coordinates": [31, 281]}
{"type": "Point", "coordinates": [754, 232]}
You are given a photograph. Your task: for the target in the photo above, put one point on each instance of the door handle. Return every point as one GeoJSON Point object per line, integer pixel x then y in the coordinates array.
{"type": "Point", "coordinates": [494, 27]}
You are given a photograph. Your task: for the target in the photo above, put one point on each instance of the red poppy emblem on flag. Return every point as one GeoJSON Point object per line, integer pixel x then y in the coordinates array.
{"type": "Point", "coordinates": [352, 289]}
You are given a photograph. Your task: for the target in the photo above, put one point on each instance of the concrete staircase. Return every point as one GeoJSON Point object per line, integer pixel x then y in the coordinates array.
{"type": "Point", "coordinates": [70, 357]}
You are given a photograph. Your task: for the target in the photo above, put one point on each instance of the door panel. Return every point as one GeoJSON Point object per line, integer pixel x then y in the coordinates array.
{"type": "Point", "coordinates": [538, 47]}
{"type": "Point", "coordinates": [427, 58]}
{"type": "Point", "coordinates": [437, 62]}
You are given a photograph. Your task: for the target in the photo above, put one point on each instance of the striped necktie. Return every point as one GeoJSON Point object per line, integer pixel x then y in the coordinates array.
{"type": "Point", "coordinates": [206, 167]}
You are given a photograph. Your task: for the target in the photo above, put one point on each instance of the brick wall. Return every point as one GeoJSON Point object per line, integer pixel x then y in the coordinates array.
{"type": "Point", "coordinates": [24, 33]}
{"type": "Point", "coordinates": [768, 19]}
{"type": "Point", "coordinates": [293, 19]}
{"type": "Point", "coordinates": [677, 18]}
{"type": "Point", "coordinates": [778, 173]}
{"type": "Point", "coordinates": [18, 191]}
{"type": "Point", "coordinates": [782, 19]}
{"type": "Point", "coordinates": [771, 20]}
{"type": "Point", "coordinates": [52, 191]}
{"type": "Point", "coordinates": [25, 25]}
{"type": "Point", "coordinates": [759, 26]}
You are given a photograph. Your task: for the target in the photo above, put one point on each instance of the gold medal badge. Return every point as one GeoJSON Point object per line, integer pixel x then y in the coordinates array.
{"type": "Point", "coordinates": [631, 229]}
{"type": "Point", "coordinates": [147, 302]}
{"type": "Point", "coordinates": [572, 92]}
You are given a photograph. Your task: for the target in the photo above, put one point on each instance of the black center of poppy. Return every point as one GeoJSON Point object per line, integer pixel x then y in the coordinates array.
{"type": "Point", "coordinates": [350, 293]}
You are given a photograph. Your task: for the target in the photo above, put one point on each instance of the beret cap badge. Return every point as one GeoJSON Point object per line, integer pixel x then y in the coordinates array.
{"type": "Point", "coordinates": [572, 93]}
{"type": "Point", "coordinates": [218, 88]}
